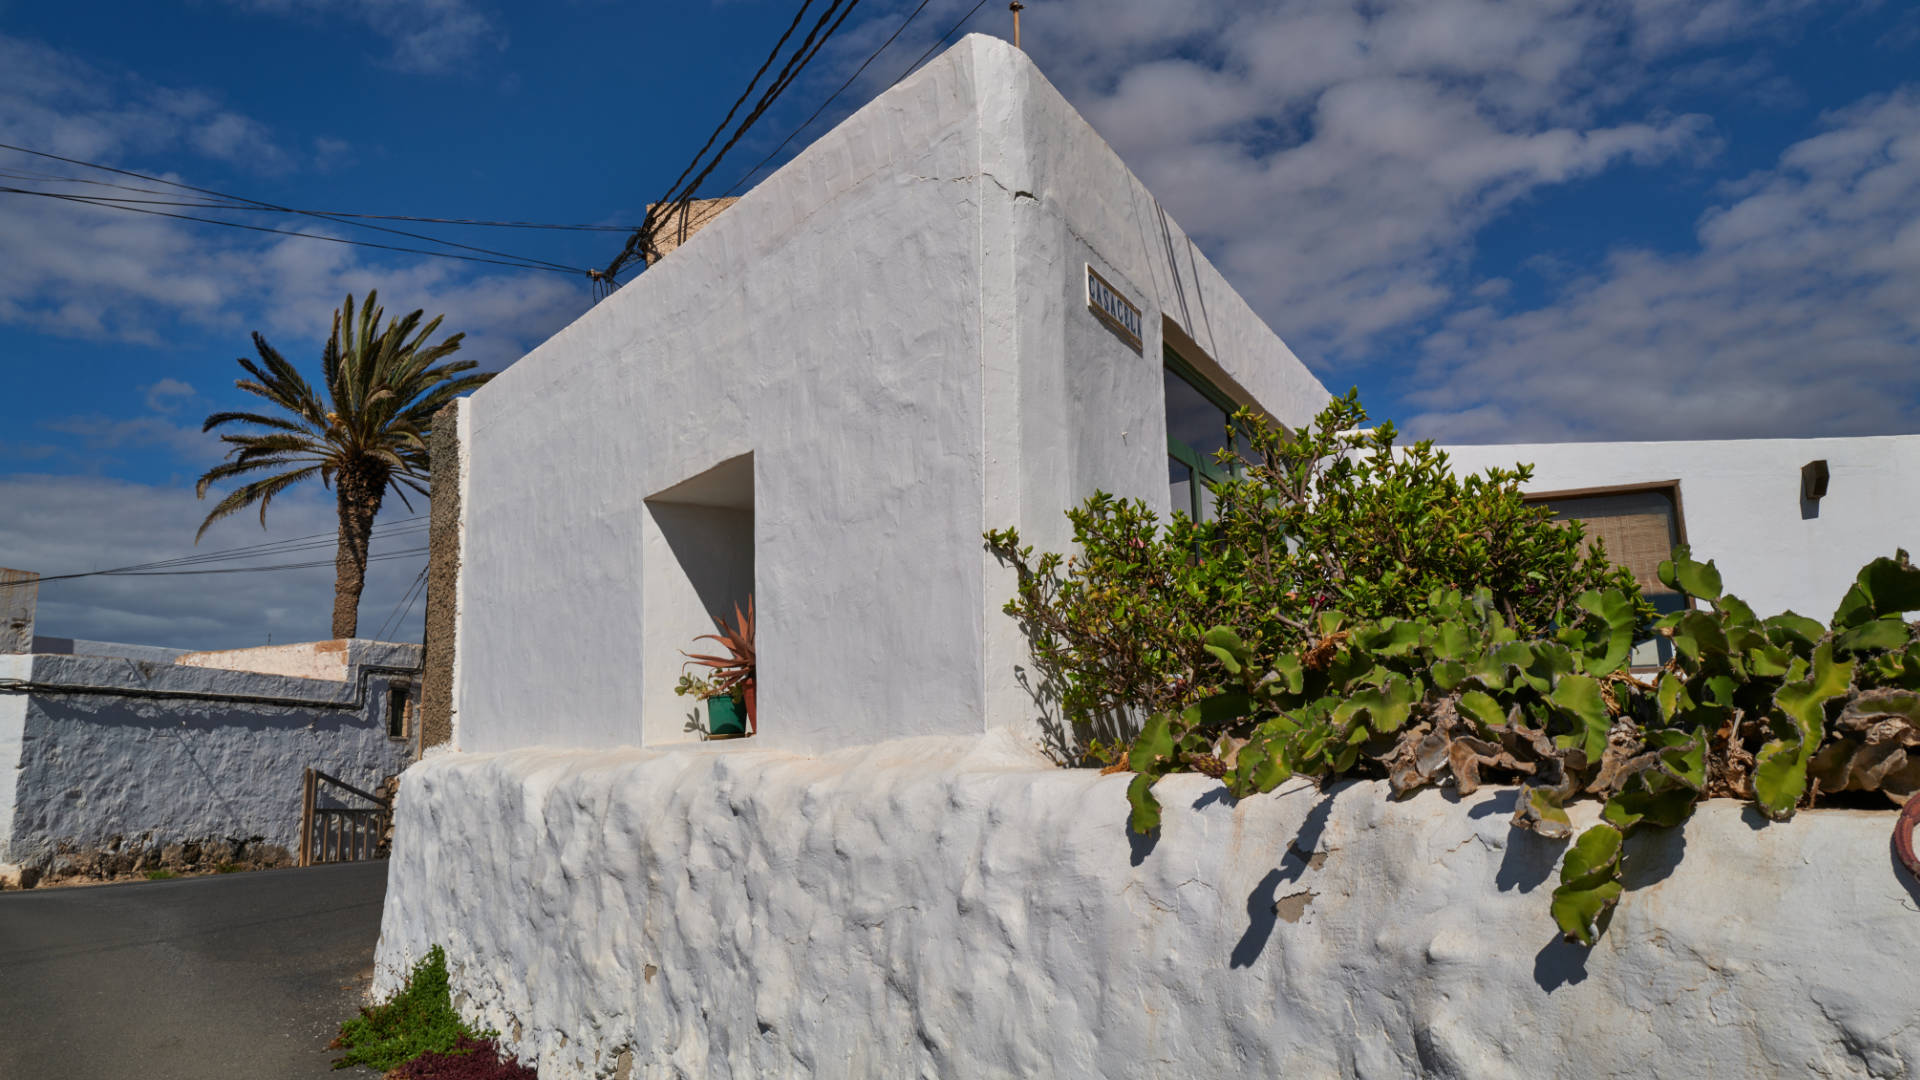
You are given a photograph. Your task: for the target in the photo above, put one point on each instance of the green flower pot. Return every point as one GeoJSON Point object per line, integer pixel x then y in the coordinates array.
{"type": "Point", "coordinates": [725, 716]}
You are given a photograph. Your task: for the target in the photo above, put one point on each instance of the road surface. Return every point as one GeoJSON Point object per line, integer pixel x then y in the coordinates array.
{"type": "Point", "coordinates": [243, 976]}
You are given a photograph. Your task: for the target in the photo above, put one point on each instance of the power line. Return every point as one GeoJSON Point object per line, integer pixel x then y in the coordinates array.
{"type": "Point", "coordinates": [403, 608]}
{"type": "Point", "coordinates": [525, 262]}
{"type": "Point", "coordinates": [835, 96]}
{"type": "Point", "coordinates": [385, 530]}
{"type": "Point", "coordinates": [83, 200]}
{"type": "Point", "coordinates": [941, 40]}
{"type": "Point", "coordinates": [57, 178]}
{"type": "Point", "coordinates": [676, 201]}
{"type": "Point", "coordinates": [383, 557]}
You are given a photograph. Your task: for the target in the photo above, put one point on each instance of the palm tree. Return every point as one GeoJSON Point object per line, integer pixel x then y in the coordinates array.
{"type": "Point", "coordinates": [383, 388]}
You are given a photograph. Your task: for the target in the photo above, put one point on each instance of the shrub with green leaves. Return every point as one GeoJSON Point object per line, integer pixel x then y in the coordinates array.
{"type": "Point", "coordinates": [1778, 710]}
{"type": "Point", "coordinates": [417, 1020]}
{"type": "Point", "coordinates": [1327, 519]}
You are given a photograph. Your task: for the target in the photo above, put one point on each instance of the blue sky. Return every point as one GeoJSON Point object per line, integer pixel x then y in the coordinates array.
{"type": "Point", "coordinates": [1504, 221]}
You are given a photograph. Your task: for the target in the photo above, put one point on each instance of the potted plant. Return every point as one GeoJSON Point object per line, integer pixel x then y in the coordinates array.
{"type": "Point", "coordinates": [729, 689]}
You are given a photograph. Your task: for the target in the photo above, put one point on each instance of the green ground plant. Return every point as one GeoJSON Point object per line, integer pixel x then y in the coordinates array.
{"type": "Point", "coordinates": [160, 875]}
{"type": "Point", "coordinates": [418, 1020]}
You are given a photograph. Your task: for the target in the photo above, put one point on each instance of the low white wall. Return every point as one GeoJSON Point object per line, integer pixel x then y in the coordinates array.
{"type": "Point", "coordinates": [150, 755]}
{"type": "Point", "coordinates": [952, 907]}
{"type": "Point", "coordinates": [1741, 501]}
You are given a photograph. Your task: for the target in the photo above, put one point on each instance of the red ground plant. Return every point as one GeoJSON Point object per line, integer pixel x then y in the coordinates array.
{"type": "Point", "coordinates": [470, 1059]}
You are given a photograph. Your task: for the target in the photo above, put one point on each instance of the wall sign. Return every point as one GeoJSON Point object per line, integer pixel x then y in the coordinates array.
{"type": "Point", "coordinates": [1113, 309]}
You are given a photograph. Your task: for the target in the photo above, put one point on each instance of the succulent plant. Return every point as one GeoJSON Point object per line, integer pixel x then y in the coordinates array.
{"type": "Point", "coordinates": [1778, 710]}
{"type": "Point", "coordinates": [733, 674]}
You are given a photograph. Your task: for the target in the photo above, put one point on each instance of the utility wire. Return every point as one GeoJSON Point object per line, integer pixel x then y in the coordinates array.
{"type": "Point", "coordinates": [835, 96]}
{"type": "Point", "coordinates": [385, 530]}
{"type": "Point", "coordinates": [383, 557]}
{"type": "Point", "coordinates": [57, 178]}
{"type": "Point", "coordinates": [641, 242]}
{"type": "Point", "coordinates": [402, 609]}
{"type": "Point", "coordinates": [941, 40]}
{"type": "Point", "coordinates": [525, 261]}
{"type": "Point", "coordinates": [85, 201]}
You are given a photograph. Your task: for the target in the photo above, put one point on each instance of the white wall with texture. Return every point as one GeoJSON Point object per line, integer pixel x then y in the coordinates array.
{"type": "Point", "coordinates": [894, 325]}
{"type": "Point", "coordinates": [957, 907]}
{"type": "Point", "coordinates": [103, 751]}
{"type": "Point", "coordinates": [1741, 501]}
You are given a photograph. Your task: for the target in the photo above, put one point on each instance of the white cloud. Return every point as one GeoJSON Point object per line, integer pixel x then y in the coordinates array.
{"type": "Point", "coordinates": [426, 36]}
{"type": "Point", "coordinates": [1799, 314]}
{"type": "Point", "coordinates": [68, 524]}
{"type": "Point", "coordinates": [54, 101]}
{"type": "Point", "coordinates": [168, 395]}
{"type": "Point", "coordinates": [1338, 159]}
{"type": "Point", "coordinates": [104, 274]}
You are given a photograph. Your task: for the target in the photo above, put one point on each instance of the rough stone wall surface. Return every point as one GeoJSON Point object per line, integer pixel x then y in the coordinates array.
{"type": "Point", "coordinates": [149, 756]}
{"type": "Point", "coordinates": [304, 660]}
{"type": "Point", "coordinates": [949, 907]}
{"type": "Point", "coordinates": [443, 579]}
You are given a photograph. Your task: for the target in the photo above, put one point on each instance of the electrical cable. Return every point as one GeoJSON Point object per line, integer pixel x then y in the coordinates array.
{"type": "Point", "coordinates": [289, 232]}
{"type": "Point", "coordinates": [401, 609]}
{"type": "Point", "coordinates": [528, 260]}
{"type": "Point", "coordinates": [835, 96]}
{"type": "Point", "coordinates": [56, 178]}
{"type": "Point", "coordinates": [662, 211]}
{"type": "Point", "coordinates": [941, 40]}
{"type": "Point", "coordinates": [382, 531]}
{"type": "Point", "coordinates": [383, 557]}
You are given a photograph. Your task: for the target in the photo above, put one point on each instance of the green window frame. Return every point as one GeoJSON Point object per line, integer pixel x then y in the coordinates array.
{"type": "Point", "coordinates": [1202, 472]}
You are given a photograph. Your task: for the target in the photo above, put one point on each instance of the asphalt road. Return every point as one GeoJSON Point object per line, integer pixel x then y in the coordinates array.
{"type": "Point", "coordinates": [244, 976]}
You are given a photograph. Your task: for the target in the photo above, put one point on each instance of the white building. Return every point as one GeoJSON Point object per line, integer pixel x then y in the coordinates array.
{"type": "Point", "coordinates": [954, 312]}
{"type": "Point", "coordinates": [957, 311]}
{"type": "Point", "coordinates": [117, 759]}
{"type": "Point", "coordinates": [1788, 522]}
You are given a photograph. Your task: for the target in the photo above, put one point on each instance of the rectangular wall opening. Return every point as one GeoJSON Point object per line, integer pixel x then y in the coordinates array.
{"type": "Point", "coordinates": [697, 566]}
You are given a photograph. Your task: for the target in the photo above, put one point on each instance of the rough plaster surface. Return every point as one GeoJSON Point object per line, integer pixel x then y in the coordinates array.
{"type": "Point", "coordinates": [1741, 501]}
{"type": "Point", "coordinates": [145, 754]}
{"type": "Point", "coordinates": [894, 325]}
{"type": "Point", "coordinates": [443, 577]}
{"type": "Point", "coordinates": [950, 907]}
{"type": "Point", "coordinates": [305, 660]}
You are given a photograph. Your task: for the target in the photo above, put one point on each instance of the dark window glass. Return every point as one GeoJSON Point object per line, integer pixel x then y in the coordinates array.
{"type": "Point", "coordinates": [1193, 419]}
{"type": "Point", "coordinates": [1180, 483]}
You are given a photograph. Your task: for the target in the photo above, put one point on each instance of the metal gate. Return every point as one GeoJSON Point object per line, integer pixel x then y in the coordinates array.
{"type": "Point", "coordinates": [336, 834]}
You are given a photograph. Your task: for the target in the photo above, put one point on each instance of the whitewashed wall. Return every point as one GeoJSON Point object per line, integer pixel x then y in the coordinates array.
{"type": "Point", "coordinates": [142, 754]}
{"type": "Point", "coordinates": [894, 325]}
{"type": "Point", "coordinates": [1741, 501]}
{"type": "Point", "coordinates": [957, 908]}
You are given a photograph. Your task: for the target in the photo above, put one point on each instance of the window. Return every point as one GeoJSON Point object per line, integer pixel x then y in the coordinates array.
{"type": "Point", "coordinates": [1640, 525]}
{"type": "Point", "coordinates": [1197, 416]}
{"type": "Point", "coordinates": [397, 694]}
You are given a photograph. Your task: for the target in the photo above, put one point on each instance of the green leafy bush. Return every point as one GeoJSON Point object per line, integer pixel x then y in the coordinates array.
{"type": "Point", "coordinates": [1326, 519]}
{"type": "Point", "coordinates": [418, 1020]}
{"type": "Point", "coordinates": [1777, 710]}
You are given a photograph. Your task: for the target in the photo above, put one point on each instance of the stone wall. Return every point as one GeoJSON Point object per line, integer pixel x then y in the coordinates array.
{"type": "Point", "coordinates": [113, 765]}
{"type": "Point", "coordinates": [953, 907]}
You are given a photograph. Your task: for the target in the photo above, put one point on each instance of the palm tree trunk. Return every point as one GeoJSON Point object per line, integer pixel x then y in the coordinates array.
{"type": "Point", "coordinates": [358, 497]}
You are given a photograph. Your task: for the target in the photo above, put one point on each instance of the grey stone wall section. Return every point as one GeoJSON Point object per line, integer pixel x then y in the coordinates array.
{"type": "Point", "coordinates": [19, 595]}
{"type": "Point", "coordinates": [443, 575]}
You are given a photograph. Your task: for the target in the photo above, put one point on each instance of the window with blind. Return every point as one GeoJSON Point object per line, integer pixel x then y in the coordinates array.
{"type": "Point", "coordinates": [1639, 526]}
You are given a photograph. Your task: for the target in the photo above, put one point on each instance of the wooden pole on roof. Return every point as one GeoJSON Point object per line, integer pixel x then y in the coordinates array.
{"type": "Point", "coordinates": [1015, 8]}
